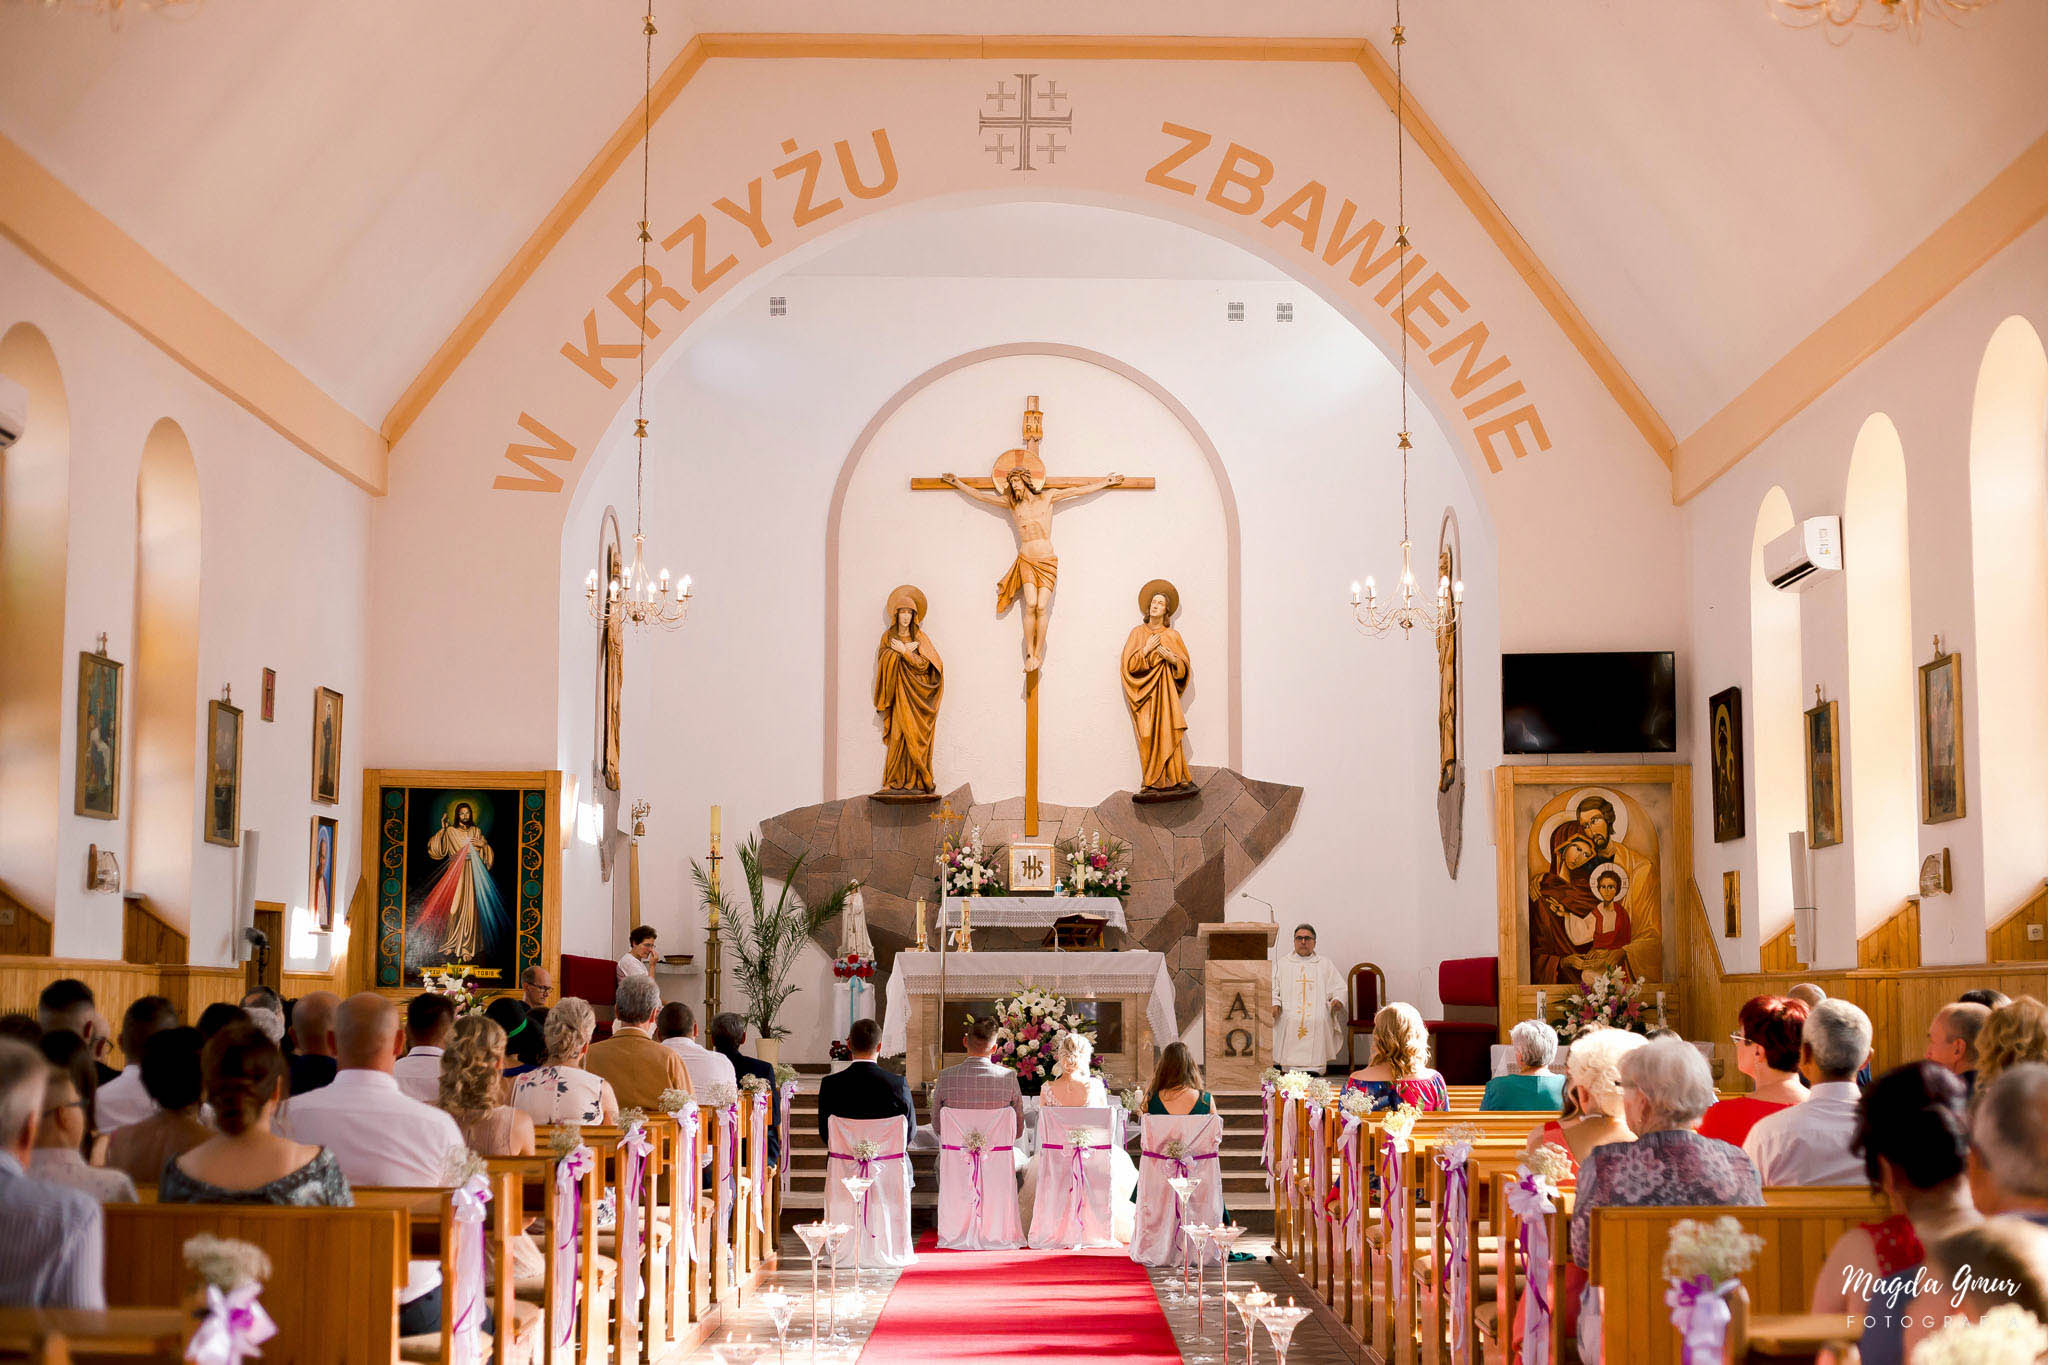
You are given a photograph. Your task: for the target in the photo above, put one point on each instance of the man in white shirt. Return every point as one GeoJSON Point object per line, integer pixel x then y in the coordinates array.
{"type": "Point", "coordinates": [1808, 1144]}
{"type": "Point", "coordinates": [639, 952]}
{"type": "Point", "coordinates": [123, 1101]}
{"type": "Point", "coordinates": [1308, 995]}
{"type": "Point", "coordinates": [676, 1028]}
{"type": "Point", "coordinates": [378, 1134]}
{"type": "Point", "coordinates": [429, 1019]}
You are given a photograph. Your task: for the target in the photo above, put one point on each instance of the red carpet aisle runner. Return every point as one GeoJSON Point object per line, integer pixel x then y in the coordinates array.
{"type": "Point", "coordinates": [993, 1306]}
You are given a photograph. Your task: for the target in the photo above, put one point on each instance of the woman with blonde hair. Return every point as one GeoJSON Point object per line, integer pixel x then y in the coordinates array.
{"type": "Point", "coordinates": [1400, 1072]}
{"type": "Point", "coordinates": [473, 1086]}
{"type": "Point", "coordinates": [562, 1091]}
{"type": "Point", "coordinates": [2015, 1032]}
{"type": "Point", "coordinates": [1075, 1086]}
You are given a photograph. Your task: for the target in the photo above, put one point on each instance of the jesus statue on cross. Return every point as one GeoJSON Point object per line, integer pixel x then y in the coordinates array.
{"type": "Point", "coordinates": [1019, 487]}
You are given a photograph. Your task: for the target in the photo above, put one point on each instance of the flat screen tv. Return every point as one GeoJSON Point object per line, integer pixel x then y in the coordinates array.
{"type": "Point", "coordinates": [1588, 703]}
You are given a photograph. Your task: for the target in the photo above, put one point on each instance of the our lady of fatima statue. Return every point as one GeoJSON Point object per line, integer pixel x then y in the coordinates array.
{"type": "Point", "coordinates": [909, 679]}
{"type": "Point", "coordinates": [1155, 670]}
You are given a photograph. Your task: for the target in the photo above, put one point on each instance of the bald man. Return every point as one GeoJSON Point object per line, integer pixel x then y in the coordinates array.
{"type": "Point", "coordinates": [313, 1063]}
{"type": "Point", "coordinates": [378, 1134]}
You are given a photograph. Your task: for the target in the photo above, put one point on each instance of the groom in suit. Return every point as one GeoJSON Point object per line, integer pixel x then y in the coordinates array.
{"type": "Point", "coordinates": [863, 1090]}
{"type": "Point", "coordinates": [978, 1083]}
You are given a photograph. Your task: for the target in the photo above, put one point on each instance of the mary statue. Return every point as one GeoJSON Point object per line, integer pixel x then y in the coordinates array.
{"type": "Point", "coordinates": [908, 682]}
{"type": "Point", "coordinates": [1155, 669]}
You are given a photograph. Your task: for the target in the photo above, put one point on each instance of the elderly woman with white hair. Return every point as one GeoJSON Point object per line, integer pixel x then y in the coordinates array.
{"type": "Point", "coordinates": [1400, 1072]}
{"type": "Point", "coordinates": [1532, 1084]}
{"type": "Point", "coordinates": [1593, 1086]}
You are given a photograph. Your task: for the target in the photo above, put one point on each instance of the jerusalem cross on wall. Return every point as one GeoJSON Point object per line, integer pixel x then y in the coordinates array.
{"type": "Point", "coordinates": [1038, 116]}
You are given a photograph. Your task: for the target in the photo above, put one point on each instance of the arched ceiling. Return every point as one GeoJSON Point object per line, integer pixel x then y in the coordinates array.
{"type": "Point", "coordinates": [346, 177]}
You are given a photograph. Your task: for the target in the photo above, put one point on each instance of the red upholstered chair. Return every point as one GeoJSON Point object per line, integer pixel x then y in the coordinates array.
{"type": "Point", "coordinates": [1368, 992]}
{"type": "Point", "coordinates": [595, 979]}
{"type": "Point", "coordinates": [1461, 1043]}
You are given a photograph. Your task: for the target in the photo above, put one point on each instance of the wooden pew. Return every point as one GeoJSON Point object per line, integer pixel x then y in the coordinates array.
{"type": "Point", "coordinates": [356, 1255]}
{"type": "Point", "coordinates": [535, 1177]}
{"type": "Point", "coordinates": [58, 1336]}
{"type": "Point", "coordinates": [431, 1235]}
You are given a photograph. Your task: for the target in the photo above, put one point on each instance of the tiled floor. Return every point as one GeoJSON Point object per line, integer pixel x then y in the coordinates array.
{"type": "Point", "coordinates": [1319, 1340]}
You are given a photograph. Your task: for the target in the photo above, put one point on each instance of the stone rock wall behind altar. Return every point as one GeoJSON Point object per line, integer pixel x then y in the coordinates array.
{"type": "Point", "coordinates": [1186, 859]}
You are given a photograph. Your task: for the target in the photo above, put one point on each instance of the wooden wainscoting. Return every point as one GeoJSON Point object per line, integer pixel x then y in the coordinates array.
{"type": "Point", "coordinates": [147, 937]}
{"type": "Point", "coordinates": [22, 930]}
{"type": "Point", "coordinates": [1779, 953]}
{"type": "Point", "coordinates": [116, 984]}
{"type": "Point", "coordinates": [2007, 941]}
{"type": "Point", "coordinates": [1895, 941]}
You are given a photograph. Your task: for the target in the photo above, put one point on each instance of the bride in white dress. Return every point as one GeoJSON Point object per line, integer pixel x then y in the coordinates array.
{"type": "Point", "coordinates": [1074, 1087]}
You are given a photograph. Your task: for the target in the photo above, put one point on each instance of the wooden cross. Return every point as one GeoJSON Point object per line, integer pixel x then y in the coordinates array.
{"type": "Point", "coordinates": [1028, 496]}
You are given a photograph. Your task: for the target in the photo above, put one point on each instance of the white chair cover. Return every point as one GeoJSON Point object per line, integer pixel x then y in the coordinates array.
{"type": "Point", "coordinates": [1071, 1207]}
{"type": "Point", "coordinates": [978, 1191]}
{"type": "Point", "coordinates": [1158, 1240]}
{"type": "Point", "coordinates": [884, 1239]}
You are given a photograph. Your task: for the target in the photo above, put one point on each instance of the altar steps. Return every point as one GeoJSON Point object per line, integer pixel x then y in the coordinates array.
{"type": "Point", "coordinates": [1244, 1181]}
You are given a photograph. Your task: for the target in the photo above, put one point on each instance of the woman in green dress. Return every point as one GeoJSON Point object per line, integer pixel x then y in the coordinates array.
{"type": "Point", "coordinates": [1177, 1089]}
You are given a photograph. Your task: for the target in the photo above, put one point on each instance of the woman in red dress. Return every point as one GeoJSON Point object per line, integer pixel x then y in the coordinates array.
{"type": "Point", "coordinates": [1766, 1051]}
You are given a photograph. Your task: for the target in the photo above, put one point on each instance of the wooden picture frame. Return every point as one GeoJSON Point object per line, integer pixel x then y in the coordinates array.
{"type": "Point", "coordinates": [327, 746]}
{"type": "Point", "coordinates": [1942, 796]}
{"type": "Point", "coordinates": [1662, 792]}
{"type": "Point", "coordinates": [321, 851]}
{"type": "Point", "coordinates": [268, 711]}
{"type": "Point", "coordinates": [222, 817]}
{"type": "Point", "coordinates": [1731, 904]}
{"type": "Point", "coordinates": [1823, 776]}
{"type": "Point", "coordinates": [396, 803]}
{"type": "Point", "coordinates": [1724, 753]}
{"type": "Point", "coordinates": [96, 788]}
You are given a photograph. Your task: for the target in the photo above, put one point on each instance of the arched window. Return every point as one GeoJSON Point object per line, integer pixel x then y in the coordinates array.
{"type": "Point", "coordinates": [166, 705]}
{"type": "Point", "coordinates": [35, 498]}
{"type": "Point", "coordinates": [1883, 743]}
{"type": "Point", "coordinates": [2009, 555]}
{"type": "Point", "coordinates": [1777, 757]}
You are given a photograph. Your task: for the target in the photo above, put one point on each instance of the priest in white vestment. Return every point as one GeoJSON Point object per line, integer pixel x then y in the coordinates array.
{"type": "Point", "coordinates": [1308, 1004]}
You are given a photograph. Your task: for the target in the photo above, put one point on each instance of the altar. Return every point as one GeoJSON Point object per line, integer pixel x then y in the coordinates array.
{"type": "Point", "coordinates": [1129, 994]}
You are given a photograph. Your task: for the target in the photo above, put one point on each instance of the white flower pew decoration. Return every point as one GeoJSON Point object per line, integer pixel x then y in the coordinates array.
{"type": "Point", "coordinates": [1532, 1197]}
{"type": "Point", "coordinates": [1701, 1265]}
{"type": "Point", "coordinates": [233, 1324]}
{"type": "Point", "coordinates": [2005, 1335]}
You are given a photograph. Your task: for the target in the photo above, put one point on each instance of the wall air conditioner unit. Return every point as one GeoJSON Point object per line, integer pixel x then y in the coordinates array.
{"type": "Point", "coordinates": [13, 411]}
{"type": "Point", "coordinates": [1803, 556]}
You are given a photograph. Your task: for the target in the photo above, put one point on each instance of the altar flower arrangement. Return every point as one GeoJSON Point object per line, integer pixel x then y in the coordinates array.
{"type": "Point", "coordinates": [1612, 1001]}
{"type": "Point", "coordinates": [454, 983]}
{"type": "Point", "coordinates": [853, 967]}
{"type": "Point", "coordinates": [1095, 866]}
{"type": "Point", "coordinates": [2005, 1335]}
{"type": "Point", "coordinates": [1029, 1026]}
{"type": "Point", "coordinates": [967, 867]}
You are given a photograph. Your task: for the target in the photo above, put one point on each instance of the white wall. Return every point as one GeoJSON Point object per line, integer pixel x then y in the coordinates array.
{"type": "Point", "coordinates": [750, 429]}
{"type": "Point", "coordinates": [284, 558]}
{"type": "Point", "coordinates": [1925, 381]}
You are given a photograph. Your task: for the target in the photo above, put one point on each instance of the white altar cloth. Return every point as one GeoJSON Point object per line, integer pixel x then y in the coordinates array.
{"type": "Point", "coordinates": [1014, 912]}
{"type": "Point", "coordinates": [978, 974]}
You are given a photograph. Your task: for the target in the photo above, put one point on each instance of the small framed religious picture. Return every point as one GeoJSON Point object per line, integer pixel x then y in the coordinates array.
{"type": "Point", "coordinates": [1031, 867]}
{"type": "Point", "coordinates": [320, 872]}
{"type": "Point", "coordinates": [1823, 776]}
{"type": "Point", "coordinates": [1724, 729]}
{"type": "Point", "coordinates": [269, 708]}
{"type": "Point", "coordinates": [223, 773]}
{"type": "Point", "coordinates": [98, 788]}
{"type": "Point", "coordinates": [1941, 739]}
{"type": "Point", "coordinates": [327, 746]}
{"type": "Point", "coordinates": [1731, 904]}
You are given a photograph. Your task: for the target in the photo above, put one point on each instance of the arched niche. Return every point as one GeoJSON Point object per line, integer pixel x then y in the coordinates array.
{"type": "Point", "coordinates": [166, 706]}
{"type": "Point", "coordinates": [1883, 730]}
{"type": "Point", "coordinates": [1777, 760]}
{"type": "Point", "coordinates": [2009, 557]}
{"type": "Point", "coordinates": [35, 500]}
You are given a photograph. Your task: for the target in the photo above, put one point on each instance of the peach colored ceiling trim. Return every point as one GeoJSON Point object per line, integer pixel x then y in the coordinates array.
{"type": "Point", "coordinates": [2015, 200]}
{"type": "Point", "coordinates": [79, 245]}
{"type": "Point", "coordinates": [943, 47]}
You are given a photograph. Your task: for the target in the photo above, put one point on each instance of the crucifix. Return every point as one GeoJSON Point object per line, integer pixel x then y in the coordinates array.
{"type": "Point", "coordinates": [1020, 488]}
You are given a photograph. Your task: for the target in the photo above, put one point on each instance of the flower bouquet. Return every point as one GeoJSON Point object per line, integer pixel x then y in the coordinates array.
{"type": "Point", "coordinates": [453, 982]}
{"type": "Point", "coordinates": [1029, 1026]}
{"type": "Point", "coordinates": [968, 868]}
{"type": "Point", "coordinates": [2006, 1335]}
{"type": "Point", "coordinates": [1701, 1262]}
{"type": "Point", "coordinates": [853, 967]}
{"type": "Point", "coordinates": [839, 1051]}
{"type": "Point", "coordinates": [1095, 865]}
{"type": "Point", "coordinates": [1612, 1001]}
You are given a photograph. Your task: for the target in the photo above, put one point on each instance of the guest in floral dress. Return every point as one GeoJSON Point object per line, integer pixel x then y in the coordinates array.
{"type": "Point", "coordinates": [1666, 1088]}
{"type": "Point", "coordinates": [1400, 1072]}
{"type": "Point", "coordinates": [562, 1091]}
{"type": "Point", "coordinates": [249, 1163]}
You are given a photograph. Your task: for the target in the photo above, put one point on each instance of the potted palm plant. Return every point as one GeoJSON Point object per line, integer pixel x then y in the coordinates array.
{"type": "Point", "coordinates": [764, 941]}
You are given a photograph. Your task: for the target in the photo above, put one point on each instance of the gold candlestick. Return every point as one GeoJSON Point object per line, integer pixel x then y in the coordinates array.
{"type": "Point", "coordinates": [920, 925]}
{"type": "Point", "coordinates": [714, 966]}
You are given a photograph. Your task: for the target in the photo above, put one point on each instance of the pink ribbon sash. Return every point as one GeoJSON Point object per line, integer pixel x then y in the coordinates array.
{"type": "Point", "coordinates": [687, 1176]}
{"type": "Point", "coordinates": [1532, 1206]}
{"type": "Point", "coordinates": [1394, 1207]}
{"type": "Point", "coordinates": [634, 1150]}
{"type": "Point", "coordinates": [1458, 1251]}
{"type": "Point", "coordinates": [1699, 1310]}
{"type": "Point", "coordinates": [234, 1326]}
{"type": "Point", "coordinates": [469, 1201]}
{"type": "Point", "coordinates": [757, 1157]}
{"type": "Point", "coordinates": [1348, 1181]}
{"type": "Point", "coordinates": [974, 1157]}
{"type": "Point", "coordinates": [787, 1094]}
{"type": "Point", "coordinates": [1318, 1162]}
{"type": "Point", "coordinates": [1077, 1176]}
{"type": "Point", "coordinates": [568, 1230]}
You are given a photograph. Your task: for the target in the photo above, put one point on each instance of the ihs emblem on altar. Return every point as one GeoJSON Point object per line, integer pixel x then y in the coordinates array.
{"type": "Point", "coordinates": [1042, 113]}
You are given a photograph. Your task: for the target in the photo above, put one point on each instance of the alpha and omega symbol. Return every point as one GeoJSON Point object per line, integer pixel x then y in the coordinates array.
{"type": "Point", "coordinates": [1043, 112]}
{"type": "Point", "coordinates": [1238, 1043]}
{"type": "Point", "coordinates": [1237, 1008]}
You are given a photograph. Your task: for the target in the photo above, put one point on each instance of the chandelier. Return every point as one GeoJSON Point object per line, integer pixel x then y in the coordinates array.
{"type": "Point", "coordinates": [1839, 19]}
{"type": "Point", "coordinates": [1374, 617]}
{"type": "Point", "coordinates": [637, 597]}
